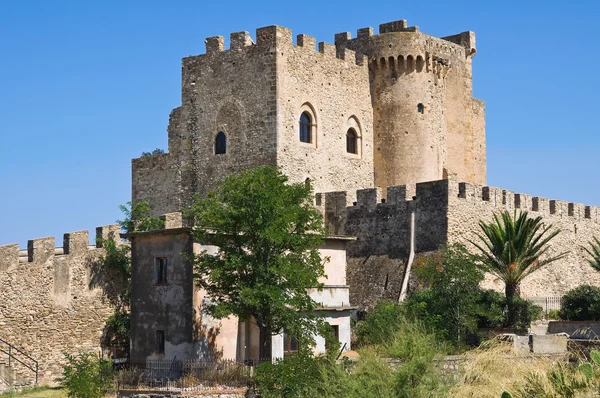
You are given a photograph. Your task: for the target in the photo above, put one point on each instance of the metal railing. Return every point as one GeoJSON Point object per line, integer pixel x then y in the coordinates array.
{"type": "Point", "coordinates": [17, 355]}
{"type": "Point", "coordinates": [187, 375]}
{"type": "Point", "coordinates": [550, 303]}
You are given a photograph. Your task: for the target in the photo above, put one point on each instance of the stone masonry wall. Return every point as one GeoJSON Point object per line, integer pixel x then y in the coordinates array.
{"type": "Point", "coordinates": [334, 88]}
{"type": "Point", "coordinates": [578, 224]}
{"type": "Point", "coordinates": [447, 211]}
{"type": "Point", "coordinates": [55, 300]}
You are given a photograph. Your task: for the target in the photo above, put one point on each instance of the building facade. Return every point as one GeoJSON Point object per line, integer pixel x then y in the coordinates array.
{"type": "Point", "coordinates": [167, 316]}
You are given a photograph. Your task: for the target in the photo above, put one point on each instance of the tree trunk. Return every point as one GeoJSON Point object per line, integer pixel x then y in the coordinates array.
{"type": "Point", "coordinates": [264, 351]}
{"type": "Point", "coordinates": [512, 292]}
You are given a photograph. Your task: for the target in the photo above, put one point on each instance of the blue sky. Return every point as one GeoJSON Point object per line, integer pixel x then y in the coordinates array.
{"type": "Point", "coordinates": [86, 86]}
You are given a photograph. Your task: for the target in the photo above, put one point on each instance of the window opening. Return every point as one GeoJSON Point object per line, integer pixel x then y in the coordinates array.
{"type": "Point", "coordinates": [160, 341]}
{"type": "Point", "coordinates": [305, 128]}
{"type": "Point", "coordinates": [220, 144]}
{"type": "Point", "coordinates": [351, 141]}
{"type": "Point", "coordinates": [160, 270]}
{"type": "Point", "coordinates": [334, 333]}
{"type": "Point", "coordinates": [421, 108]}
{"type": "Point", "coordinates": [290, 344]}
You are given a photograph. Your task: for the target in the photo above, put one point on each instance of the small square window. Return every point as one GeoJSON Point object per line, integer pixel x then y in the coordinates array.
{"type": "Point", "coordinates": [290, 344]}
{"type": "Point", "coordinates": [160, 342]}
{"type": "Point", "coordinates": [160, 270]}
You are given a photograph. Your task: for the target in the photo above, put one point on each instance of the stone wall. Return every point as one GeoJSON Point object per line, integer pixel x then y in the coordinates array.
{"type": "Point", "coordinates": [407, 94]}
{"type": "Point", "coordinates": [55, 300]}
{"type": "Point", "coordinates": [447, 211]}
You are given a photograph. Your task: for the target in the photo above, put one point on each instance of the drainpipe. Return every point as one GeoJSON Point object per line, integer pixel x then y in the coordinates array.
{"type": "Point", "coordinates": [411, 258]}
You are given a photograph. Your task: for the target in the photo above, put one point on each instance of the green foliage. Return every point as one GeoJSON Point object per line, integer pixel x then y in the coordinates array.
{"type": "Point", "coordinates": [118, 327]}
{"type": "Point", "coordinates": [553, 315]}
{"type": "Point", "coordinates": [492, 314]}
{"type": "Point", "coordinates": [380, 324]}
{"type": "Point", "coordinates": [86, 376]}
{"type": "Point", "coordinates": [513, 247]}
{"type": "Point", "coordinates": [138, 219]}
{"type": "Point", "coordinates": [306, 376]}
{"type": "Point", "coordinates": [157, 151]}
{"type": "Point", "coordinates": [594, 252]}
{"type": "Point", "coordinates": [293, 376]}
{"type": "Point", "coordinates": [581, 304]}
{"type": "Point", "coordinates": [117, 257]}
{"type": "Point", "coordinates": [448, 304]}
{"type": "Point", "coordinates": [267, 233]}
{"type": "Point", "coordinates": [506, 395]}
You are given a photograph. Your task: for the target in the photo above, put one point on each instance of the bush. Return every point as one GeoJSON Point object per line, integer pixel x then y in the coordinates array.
{"type": "Point", "coordinates": [86, 376]}
{"type": "Point", "coordinates": [380, 324]}
{"type": "Point", "coordinates": [581, 304]}
{"type": "Point", "coordinates": [293, 376]}
{"type": "Point", "coordinates": [447, 304]}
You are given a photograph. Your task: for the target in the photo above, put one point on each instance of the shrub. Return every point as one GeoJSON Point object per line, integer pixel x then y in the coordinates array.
{"type": "Point", "coordinates": [293, 376]}
{"type": "Point", "coordinates": [86, 376]}
{"type": "Point", "coordinates": [447, 303]}
{"type": "Point", "coordinates": [581, 304]}
{"type": "Point", "coordinates": [380, 324]}
{"type": "Point", "coordinates": [492, 311]}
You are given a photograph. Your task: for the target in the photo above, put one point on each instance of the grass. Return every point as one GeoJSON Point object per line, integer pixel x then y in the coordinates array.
{"type": "Point", "coordinates": [38, 392]}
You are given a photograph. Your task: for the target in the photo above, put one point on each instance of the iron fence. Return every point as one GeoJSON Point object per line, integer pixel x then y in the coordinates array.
{"type": "Point", "coordinates": [186, 375]}
{"type": "Point", "coordinates": [549, 303]}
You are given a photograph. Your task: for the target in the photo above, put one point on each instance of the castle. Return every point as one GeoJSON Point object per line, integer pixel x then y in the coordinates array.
{"type": "Point", "coordinates": [383, 125]}
{"type": "Point", "coordinates": [375, 111]}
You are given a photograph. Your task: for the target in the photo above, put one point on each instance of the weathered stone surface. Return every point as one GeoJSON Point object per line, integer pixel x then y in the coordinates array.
{"type": "Point", "coordinates": [54, 301]}
{"type": "Point", "coordinates": [408, 96]}
{"type": "Point", "coordinates": [447, 211]}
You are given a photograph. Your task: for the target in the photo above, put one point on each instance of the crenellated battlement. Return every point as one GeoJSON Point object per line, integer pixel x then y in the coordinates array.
{"type": "Point", "coordinates": [505, 199]}
{"type": "Point", "coordinates": [40, 250]}
{"type": "Point", "coordinates": [275, 36]}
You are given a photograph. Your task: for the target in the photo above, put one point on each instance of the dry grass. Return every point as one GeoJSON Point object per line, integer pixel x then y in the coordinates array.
{"type": "Point", "coordinates": [39, 392]}
{"type": "Point", "coordinates": [494, 368]}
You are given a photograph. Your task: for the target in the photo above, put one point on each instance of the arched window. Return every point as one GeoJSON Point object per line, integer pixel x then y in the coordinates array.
{"type": "Point", "coordinates": [351, 141]}
{"type": "Point", "coordinates": [305, 127]}
{"type": "Point", "coordinates": [220, 143]}
{"type": "Point", "coordinates": [420, 108]}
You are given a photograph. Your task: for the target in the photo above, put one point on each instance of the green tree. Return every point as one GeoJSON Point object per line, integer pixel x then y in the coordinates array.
{"type": "Point", "coordinates": [514, 246]}
{"type": "Point", "coordinates": [267, 233]}
{"type": "Point", "coordinates": [449, 302]}
{"type": "Point", "coordinates": [138, 218]}
{"type": "Point", "coordinates": [594, 252]}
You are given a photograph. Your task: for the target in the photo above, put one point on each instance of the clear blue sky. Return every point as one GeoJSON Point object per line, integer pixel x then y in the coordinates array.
{"type": "Point", "coordinates": [86, 86]}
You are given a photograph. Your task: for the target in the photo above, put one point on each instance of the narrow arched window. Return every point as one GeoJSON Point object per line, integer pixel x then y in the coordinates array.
{"type": "Point", "coordinates": [351, 141]}
{"type": "Point", "coordinates": [420, 108]}
{"type": "Point", "coordinates": [305, 127]}
{"type": "Point", "coordinates": [220, 144]}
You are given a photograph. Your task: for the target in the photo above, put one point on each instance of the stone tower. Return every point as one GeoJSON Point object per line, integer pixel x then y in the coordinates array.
{"type": "Point", "coordinates": [375, 111]}
{"type": "Point", "coordinates": [427, 125]}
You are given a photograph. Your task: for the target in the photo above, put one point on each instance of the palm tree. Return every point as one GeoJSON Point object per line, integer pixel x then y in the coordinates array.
{"type": "Point", "coordinates": [594, 252]}
{"type": "Point", "coordinates": [512, 246]}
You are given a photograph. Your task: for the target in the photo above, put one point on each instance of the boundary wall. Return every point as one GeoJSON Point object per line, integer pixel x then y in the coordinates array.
{"type": "Point", "coordinates": [447, 211]}
{"type": "Point", "coordinates": [56, 300]}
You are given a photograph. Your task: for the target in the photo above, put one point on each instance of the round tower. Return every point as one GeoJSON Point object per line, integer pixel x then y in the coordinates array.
{"type": "Point", "coordinates": [408, 80]}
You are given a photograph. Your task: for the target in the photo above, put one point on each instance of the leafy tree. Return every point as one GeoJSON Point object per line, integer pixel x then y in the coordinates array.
{"type": "Point", "coordinates": [267, 233]}
{"type": "Point", "coordinates": [513, 247]}
{"type": "Point", "coordinates": [594, 252]}
{"type": "Point", "coordinates": [138, 219]}
{"type": "Point", "coordinates": [449, 302]}
{"type": "Point", "coordinates": [581, 304]}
